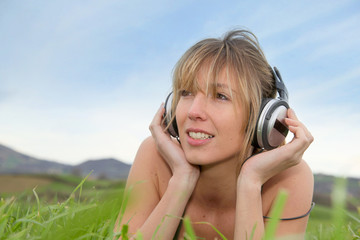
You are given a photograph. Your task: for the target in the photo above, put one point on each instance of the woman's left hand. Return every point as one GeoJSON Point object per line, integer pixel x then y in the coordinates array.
{"type": "Point", "coordinates": [263, 166]}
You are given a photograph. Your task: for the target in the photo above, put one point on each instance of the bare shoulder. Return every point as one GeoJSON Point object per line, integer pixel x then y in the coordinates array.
{"type": "Point", "coordinates": [147, 153]}
{"type": "Point", "coordinates": [148, 165]}
{"type": "Point", "coordinates": [298, 182]}
{"type": "Point", "coordinates": [143, 183]}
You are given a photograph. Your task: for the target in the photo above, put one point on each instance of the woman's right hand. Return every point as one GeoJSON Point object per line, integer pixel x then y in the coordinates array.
{"type": "Point", "coordinates": [156, 157]}
{"type": "Point", "coordinates": [170, 149]}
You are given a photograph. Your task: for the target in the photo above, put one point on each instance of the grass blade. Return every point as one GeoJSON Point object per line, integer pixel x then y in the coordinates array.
{"type": "Point", "coordinates": [189, 230]}
{"type": "Point", "coordinates": [139, 236]}
{"type": "Point", "coordinates": [124, 231]}
{"type": "Point", "coordinates": [37, 201]}
{"type": "Point", "coordinates": [338, 198]}
{"type": "Point", "coordinates": [275, 215]}
{"type": "Point", "coordinates": [214, 228]}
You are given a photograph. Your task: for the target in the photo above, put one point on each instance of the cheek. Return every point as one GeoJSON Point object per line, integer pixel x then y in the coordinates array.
{"type": "Point", "coordinates": [236, 130]}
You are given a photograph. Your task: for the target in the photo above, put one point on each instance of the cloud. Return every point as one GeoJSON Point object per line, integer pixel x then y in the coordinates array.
{"type": "Point", "coordinates": [322, 39]}
{"type": "Point", "coordinates": [336, 138]}
{"type": "Point", "coordinates": [332, 119]}
{"type": "Point", "coordinates": [312, 89]}
{"type": "Point", "coordinates": [273, 18]}
{"type": "Point", "coordinates": [72, 136]}
{"type": "Point", "coordinates": [111, 124]}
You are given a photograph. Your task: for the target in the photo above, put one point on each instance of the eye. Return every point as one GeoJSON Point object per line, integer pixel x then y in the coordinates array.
{"type": "Point", "coordinates": [185, 93]}
{"type": "Point", "coordinates": [221, 96]}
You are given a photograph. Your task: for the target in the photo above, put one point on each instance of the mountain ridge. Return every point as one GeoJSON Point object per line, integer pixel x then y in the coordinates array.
{"type": "Point", "coordinates": [14, 162]}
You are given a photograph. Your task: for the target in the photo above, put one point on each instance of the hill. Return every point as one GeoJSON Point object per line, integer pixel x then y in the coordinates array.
{"type": "Point", "coordinates": [323, 187]}
{"type": "Point", "coordinates": [103, 168]}
{"type": "Point", "coordinates": [13, 162]}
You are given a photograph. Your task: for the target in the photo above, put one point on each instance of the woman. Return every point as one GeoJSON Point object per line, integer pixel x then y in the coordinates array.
{"type": "Point", "coordinates": [211, 172]}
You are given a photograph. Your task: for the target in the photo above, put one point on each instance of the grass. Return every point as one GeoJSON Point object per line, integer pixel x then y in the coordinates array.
{"type": "Point", "coordinates": [275, 215]}
{"type": "Point", "coordinates": [83, 215]}
{"type": "Point", "coordinates": [336, 222]}
{"type": "Point", "coordinates": [90, 210]}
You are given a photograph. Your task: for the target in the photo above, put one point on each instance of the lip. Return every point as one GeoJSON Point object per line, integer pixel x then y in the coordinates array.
{"type": "Point", "coordinates": [197, 142]}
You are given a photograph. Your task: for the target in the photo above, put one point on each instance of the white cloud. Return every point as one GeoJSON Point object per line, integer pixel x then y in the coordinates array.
{"type": "Point", "coordinates": [110, 125]}
{"type": "Point", "coordinates": [310, 88]}
{"type": "Point", "coordinates": [71, 137]}
{"type": "Point", "coordinates": [274, 18]}
{"type": "Point", "coordinates": [333, 121]}
{"type": "Point", "coordinates": [336, 140]}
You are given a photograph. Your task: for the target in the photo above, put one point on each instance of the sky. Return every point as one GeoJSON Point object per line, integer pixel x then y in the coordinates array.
{"type": "Point", "coordinates": [82, 80]}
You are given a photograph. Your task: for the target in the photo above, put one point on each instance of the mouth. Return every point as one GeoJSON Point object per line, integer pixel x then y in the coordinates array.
{"type": "Point", "coordinates": [200, 135]}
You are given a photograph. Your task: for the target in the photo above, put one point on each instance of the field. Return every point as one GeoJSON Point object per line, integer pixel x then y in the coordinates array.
{"type": "Point", "coordinates": [68, 207]}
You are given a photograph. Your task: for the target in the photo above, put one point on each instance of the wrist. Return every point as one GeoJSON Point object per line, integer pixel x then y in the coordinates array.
{"type": "Point", "coordinates": [248, 181]}
{"type": "Point", "coordinates": [184, 181]}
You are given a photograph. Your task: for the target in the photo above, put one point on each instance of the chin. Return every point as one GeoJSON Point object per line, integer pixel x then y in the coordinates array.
{"type": "Point", "coordinates": [209, 159]}
{"type": "Point", "coordinates": [197, 160]}
{"type": "Point", "coordinates": [202, 160]}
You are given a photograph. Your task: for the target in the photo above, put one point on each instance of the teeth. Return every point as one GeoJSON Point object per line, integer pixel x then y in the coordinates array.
{"type": "Point", "coordinates": [199, 135]}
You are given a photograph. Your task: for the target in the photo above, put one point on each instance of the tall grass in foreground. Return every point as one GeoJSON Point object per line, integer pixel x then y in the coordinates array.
{"type": "Point", "coordinates": [71, 219]}
{"type": "Point", "coordinates": [94, 218]}
{"type": "Point", "coordinates": [341, 224]}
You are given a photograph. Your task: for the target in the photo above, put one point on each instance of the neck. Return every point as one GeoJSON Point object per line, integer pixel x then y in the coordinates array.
{"type": "Point", "coordinates": [216, 187]}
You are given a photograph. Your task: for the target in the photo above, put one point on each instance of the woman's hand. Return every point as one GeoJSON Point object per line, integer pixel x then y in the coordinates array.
{"type": "Point", "coordinates": [263, 166]}
{"type": "Point", "coordinates": [170, 149]}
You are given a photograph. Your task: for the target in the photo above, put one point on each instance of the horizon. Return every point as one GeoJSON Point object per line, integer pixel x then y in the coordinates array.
{"type": "Point", "coordinates": [119, 160]}
{"type": "Point", "coordinates": [83, 80]}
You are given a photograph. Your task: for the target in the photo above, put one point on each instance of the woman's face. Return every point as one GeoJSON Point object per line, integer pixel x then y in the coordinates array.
{"type": "Point", "coordinates": [210, 128]}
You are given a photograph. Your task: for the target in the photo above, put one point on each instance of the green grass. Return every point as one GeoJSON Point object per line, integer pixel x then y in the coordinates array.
{"type": "Point", "coordinates": [90, 210]}
{"type": "Point", "coordinates": [336, 222]}
{"type": "Point", "coordinates": [85, 214]}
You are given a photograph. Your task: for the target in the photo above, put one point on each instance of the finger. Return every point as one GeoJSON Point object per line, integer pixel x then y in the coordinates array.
{"type": "Point", "coordinates": [291, 114]}
{"type": "Point", "coordinates": [298, 144]}
{"type": "Point", "coordinates": [292, 122]}
{"type": "Point", "coordinates": [301, 137]}
{"type": "Point", "coordinates": [156, 122]}
{"type": "Point", "coordinates": [297, 131]}
{"type": "Point", "coordinates": [159, 115]}
{"type": "Point", "coordinates": [296, 123]}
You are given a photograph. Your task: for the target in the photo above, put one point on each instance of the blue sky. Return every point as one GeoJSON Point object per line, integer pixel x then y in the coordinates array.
{"type": "Point", "coordinates": [82, 80]}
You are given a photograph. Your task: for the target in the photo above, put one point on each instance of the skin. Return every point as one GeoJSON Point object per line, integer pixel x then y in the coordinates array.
{"type": "Point", "coordinates": [198, 178]}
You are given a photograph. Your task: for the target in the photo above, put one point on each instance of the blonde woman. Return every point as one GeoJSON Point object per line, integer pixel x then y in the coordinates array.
{"type": "Point", "coordinates": [210, 169]}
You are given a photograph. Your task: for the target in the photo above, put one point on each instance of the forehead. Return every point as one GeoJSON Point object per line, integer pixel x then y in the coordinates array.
{"type": "Point", "coordinates": [209, 79]}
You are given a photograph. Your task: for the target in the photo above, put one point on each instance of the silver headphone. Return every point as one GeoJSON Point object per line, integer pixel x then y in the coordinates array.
{"type": "Point", "coordinates": [270, 130]}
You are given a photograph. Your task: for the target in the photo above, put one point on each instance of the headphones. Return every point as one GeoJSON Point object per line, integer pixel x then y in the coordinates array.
{"type": "Point", "coordinates": [270, 130]}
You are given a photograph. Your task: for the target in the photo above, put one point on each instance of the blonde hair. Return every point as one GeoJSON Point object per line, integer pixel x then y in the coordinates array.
{"type": "Point", "coordinates": [239, 53]}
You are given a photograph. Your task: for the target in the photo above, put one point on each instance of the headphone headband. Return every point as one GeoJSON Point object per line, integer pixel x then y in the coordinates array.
{"type": "Point", "coordinates": [279, 84]}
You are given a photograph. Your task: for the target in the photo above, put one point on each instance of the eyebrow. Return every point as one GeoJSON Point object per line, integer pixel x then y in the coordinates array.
{"type": "Point", "coordinates": [224, 86]}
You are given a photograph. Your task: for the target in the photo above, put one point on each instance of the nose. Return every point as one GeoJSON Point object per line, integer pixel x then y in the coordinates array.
{"type": "Point", "coordinates": [197, 110]}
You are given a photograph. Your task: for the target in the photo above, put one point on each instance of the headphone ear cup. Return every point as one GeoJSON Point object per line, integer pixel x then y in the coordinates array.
{"type": "Point", "coordinates": [255, 141]}
{"type": "Point", "coordinates": [271, 129]}
{"type": "Point", "coordinates": [168, 119]}
{"type": "Point", "coordinates": [173, 129]}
